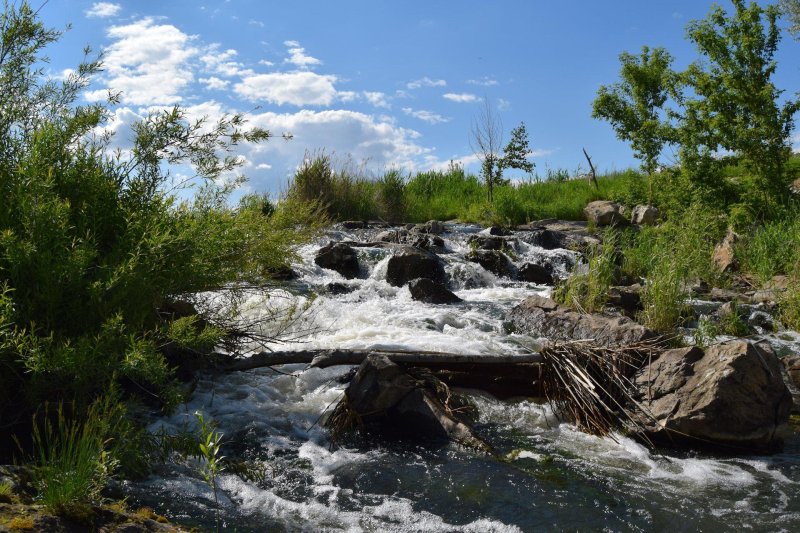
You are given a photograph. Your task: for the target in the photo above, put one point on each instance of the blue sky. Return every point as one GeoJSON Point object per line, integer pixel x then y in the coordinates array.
{"type": "Point", "coordinates": [395, 84]}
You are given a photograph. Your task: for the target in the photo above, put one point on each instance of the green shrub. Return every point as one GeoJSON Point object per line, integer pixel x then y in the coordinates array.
{"type": "Point", "coordinates": [589, 292]}
{"type": "Point", "coordinates": [771, 248]}
{"type": "Point", "coordinates": [390, 196]}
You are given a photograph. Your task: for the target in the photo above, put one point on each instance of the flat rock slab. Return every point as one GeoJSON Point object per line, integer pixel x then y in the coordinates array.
{"type": "Point", "coordinates": [542, 317]}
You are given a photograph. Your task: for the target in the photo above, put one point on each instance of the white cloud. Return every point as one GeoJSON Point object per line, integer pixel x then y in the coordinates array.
{"type": "Point", "coordinates": [503, 104]}
{"type": "Point", "coordinates": [427, 116]}
{"type": "Point", "coordinates": [298, 57]}
{"type": "Point", "coordinates": [460, 97]}
{"type": "Point", "coordinates": [378, 99]}
{"type": "Point", "coordinates": [103, 10]}
{"type": "Point", "coordinates": [215, 84]}
{"type": "Point", "coordinates": [221, 62]}
{"type": "Point", "coordinates": [425, 82]}
{"type": "Point", "coordinates": [295, 88]}
{"type": "Point", "coordinates": [254, 22]}
{"type": "Point", "coordinates": [148, 62]}
{"type": "Point", "coordinates": [265, 63]}
{"type": "Point", "coordinates": [485, 81]}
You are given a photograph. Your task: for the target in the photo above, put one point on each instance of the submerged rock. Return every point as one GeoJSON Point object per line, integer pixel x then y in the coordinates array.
{"type": "Point", "coordinates": [542, 317]}
{"type": "Point", "coordinates": [412, 263]}
{"type": "Point", "coordinates": [339, 257]}
{"type": "Point", "coordinates": [731, 397]}
{"type": "Point", "coordinates": [390, 400]}
{"type": "Point", "coordinates": [430, 292]}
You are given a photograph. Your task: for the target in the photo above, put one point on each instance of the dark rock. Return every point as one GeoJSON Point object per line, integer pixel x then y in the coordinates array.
{"type": "Point", "coordinates": [283, 273]}
{"type": "Point", "coordinates": [338, 288]}
{"type": "Point", "coordinates": [534, 273]}
{"type": "Point", "coordinates": [542, 317]}
{"type": "Point", "coordinates": [498, 231]}
{"type": "Point", "coordinates": [429, 242]}
{"type": "Point", "coordinates": [492, 242]}
{"type": "Point", "coordinates": [605, 213]}
{"type": "Point", "coordinates": [355, 224]}
{"type": "Point", "coordinates": [396, 236]}
{"type": "Point", "coordinates": [430, 292]}
{"type": "Point", "coordinates": [389, 399]}
{"type": "Point", "coordinates": [339, 257]}
{"type": "Point", "coordinates": [626, 298]}
{"type": "Point", "coordinates": [494, 261]}
{"type": "Point", "coordinates": [412, 263]}
{"type": "Point", "coordinates": [792, 364]}
{"type": "Point", "coordinates": [434, 227]}
{"type": "Point", "coordinates": [731, 397]}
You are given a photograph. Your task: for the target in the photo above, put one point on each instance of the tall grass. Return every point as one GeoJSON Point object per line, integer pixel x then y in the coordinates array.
{"type": "Point", "coordinates": [589, 292]}
{"type": "Point", "coordinates": [772, 248]}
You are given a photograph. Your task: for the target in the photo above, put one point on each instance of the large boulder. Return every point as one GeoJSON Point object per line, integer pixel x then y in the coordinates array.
{"type": "Point", "coordinates": [412, 263]}
{"type": "Point", "coordinates": [339, 257]}
{"type": "Point", "coordinates": [399, 402]}
{"type": "Point", "coordinates": [730, 397]}
{"type": "Point", "coordinates": [494, 261]}
{"type": "Point", "coordinates": [645, 215]}
{"type": "Point", "coordinates": [492, 242]}
{"type": "Point", "coordinates": [605, 213]}
{"type": "Point", "coordinates": [430, 292]}
{"type": "Point", "coordinates": [542, 317]}
{"type": "Point", "coordinates": [536, 273]}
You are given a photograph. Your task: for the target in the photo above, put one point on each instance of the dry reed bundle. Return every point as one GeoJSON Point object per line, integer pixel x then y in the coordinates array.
{"type": "Point", "coordinates": [592, 385]}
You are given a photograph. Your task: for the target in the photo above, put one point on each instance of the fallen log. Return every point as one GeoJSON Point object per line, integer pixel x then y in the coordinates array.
{"type": "Point", "coordinates": [503, 376]}
{"type": "Point", "coordinates": [333, 357]}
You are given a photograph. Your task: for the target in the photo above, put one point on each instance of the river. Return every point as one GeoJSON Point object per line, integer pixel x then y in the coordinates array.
{"type": "Point", "coordinates": [553, 476]}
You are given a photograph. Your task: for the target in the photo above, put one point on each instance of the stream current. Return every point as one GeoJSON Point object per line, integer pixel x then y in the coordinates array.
{"type": "Point", "coordinates": [554, 477]}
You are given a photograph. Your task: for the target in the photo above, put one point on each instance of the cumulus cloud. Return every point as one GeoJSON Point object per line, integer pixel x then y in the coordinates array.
{"type": "Point", "coordinates": [215, 84]}
{"type": "Point", "coordinates": [222, 62]}
{"type": "Point", "coordinates": [103, 10]}
{"type": "Point", "coordinates": [460, 97]}
{"type": "Point", "coordinates": [377, 99]}
{"type": "Point", "coordinates": [427, 116]}
{"type": "Point", "coordinates": [295, 88]}
{"type": "Point", "coordinates": [148, 62]}
{"type": "Point", "coordinates": [298, 57]}
{"type": "Point", "coordinates": [426, 82]}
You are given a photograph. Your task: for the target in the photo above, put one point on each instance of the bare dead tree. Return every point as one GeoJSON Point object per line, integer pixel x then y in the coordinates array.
{"type": "Point", "coordinates": [485, 140]}
{"type": "Point", "coordinates": [591, 167]}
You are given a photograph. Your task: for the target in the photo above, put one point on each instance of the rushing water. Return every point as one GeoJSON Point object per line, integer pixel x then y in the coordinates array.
{"type": "Point", "coordinates": [553, 477]}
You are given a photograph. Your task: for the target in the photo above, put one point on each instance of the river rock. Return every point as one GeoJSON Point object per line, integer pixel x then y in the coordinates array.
{"type": "Point", "coordinates": [542, 317]}
{"type": "Point", "coordinates": [391, 235]}
{"type": "Point", "coordinates": [626, 297]}
{"type": "Point", "coordinates": [494, 261]}
{"type": "Point", "coordinates": [791, 376]}
{"type": "Point", "coordinates": [430, 292]}
{"type": "Point", "coordinates": [498, 231]}
{"type": "Point", "coordinates": [339, 257]}
{"type": "Point", "coordinates": [412, 263]}
{"type": "Point", "coordinates": [605, 213]}
{"type": "Point", "coordinates": [731, 397]}
{"type": "Point", "coordinates": [723, 256]}
{"type": "Point", "coordinates": [645, 215]}
{"type": "Point", "coordinates": [389, 399]}
{"type": "Point", "coordinates": [535, 273]}
{"type": "Point", "coordinates": [434, 227]}
{"type": "Point", "coordinates": [492, 242]}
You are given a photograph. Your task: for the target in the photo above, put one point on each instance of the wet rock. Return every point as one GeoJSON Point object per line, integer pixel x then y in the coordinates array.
{"type": "Point", "coordinates": [494, 261]}
{"type": "Point", "coordinates": [412, 263]}
{"type": "Point", "coordinates": [627, 298]}
{"type": "Point", "coordinates": [396, 236]}
{"type": "Point", "coordinates": [723, 256]}
{"type": "Point", "coordinates": [497, 231]}
{"type": "Point", "coordinates": [283, 273]}
{"type": "Point", "coordinates": [492, 242]}
{"type": "Point", "coordinates": [389, 399]}
{"type": "Point", "coordinates": [339, 257]}
{"type": "Point", "coordinates": [730, 397]}
{"type": "Point", "coordinates": [645, 215]}
{"type": "Point", "coordinates": [605, 213]}
{"type": "Point", "coordinates": [535, 273]}
{"type": "Point", "coordinates": [354, 224]}
{"type": "Point", "coordinates": [430, 292]}
{"type": "Point", "coordinates": [433, 243]}
{"type": "Point", "coordinates": [338, 288]}
{"type": "Point", "coordinates": [542, 317]}
{"type": "Point", "coordinates": [434, 227]}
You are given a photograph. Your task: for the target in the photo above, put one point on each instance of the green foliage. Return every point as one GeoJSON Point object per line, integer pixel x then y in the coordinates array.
{"type": "Point", "coordinates": [74, 458]}
{"type": "Point", "coordinates": [390, 196]}
{"type": "Point", "coordinates": [210, 443]}
{"type": "Point", "coordinates": [771, 249]}
{"type": "Point", "coordinates": [589, 292]}
{"type": "Point", "coordinates": [705, 333]}
{"type": "Point", "coordinates": [634, 105]}
{"type": "Point", "coordinates": [789, 303]}
{"type": "Point", "coordinates": [516, 152]}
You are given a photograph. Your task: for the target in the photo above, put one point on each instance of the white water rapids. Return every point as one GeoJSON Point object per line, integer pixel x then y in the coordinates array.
{"type": "Point", "coordinates": [554, 478]}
